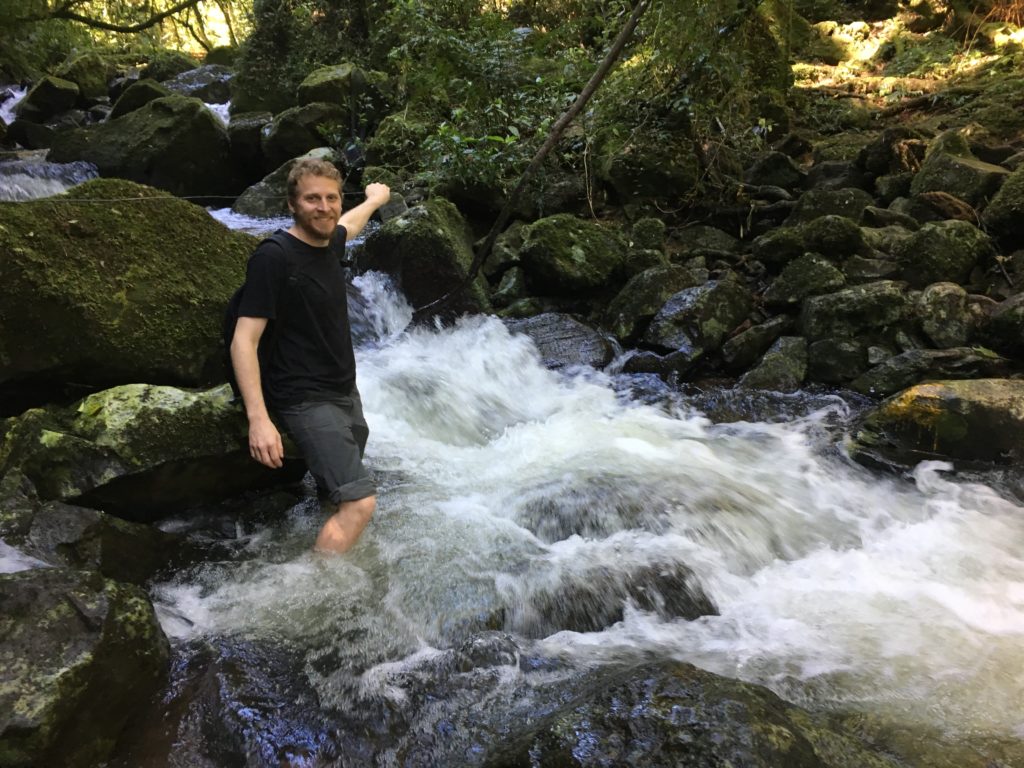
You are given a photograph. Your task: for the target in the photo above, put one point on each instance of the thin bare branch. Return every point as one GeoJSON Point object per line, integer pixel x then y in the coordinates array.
{"type": "Point", "coordinates": [65, 12]}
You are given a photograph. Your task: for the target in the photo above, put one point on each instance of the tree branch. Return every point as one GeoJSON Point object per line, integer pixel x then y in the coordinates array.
{"type": "Point", "coordinates": [65, 12]}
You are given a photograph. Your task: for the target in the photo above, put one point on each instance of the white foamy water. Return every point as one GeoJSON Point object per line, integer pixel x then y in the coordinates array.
{"type": "Point", "coordinates": [502, 482]}
{"type": "Point", "coordinates": [221, 111]}
{"type": "Point", "coordinates": [7, 108]}
{"type": "Point", "coordinates": [253, 226]}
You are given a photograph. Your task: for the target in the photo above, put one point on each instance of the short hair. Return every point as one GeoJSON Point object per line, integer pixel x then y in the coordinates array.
{"type": "Point", "coordinates": [311, 166]}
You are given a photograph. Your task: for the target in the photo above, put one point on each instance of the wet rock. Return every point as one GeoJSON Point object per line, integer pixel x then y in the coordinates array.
{"type": "Point", "coordinates": [640, 299]}
{"type": "Point", "coordinates": [245, 133]}
{"type": "Point", "coordinates": [852, 311]}
{"type": "Point", "coordinates": [505, 253]}
{"type": "Point", "coordinates": [428, 252]}
{"type": "Point", "coordinates": [511, 288]}
{"type": "Point", "coordinates": [782, 369]}
{"type": "Point", "coordinates": [137, 295]}
{"type": "Point", "coordinates": [944, 316]}
{"type": "Point", "coordinates": [565, 254]}
{"type": "Point", "coordinates": [809, 275]}
{"type": "Point", "coordinates": [92, 73]}
{"type": "Point", "coordinates": [18, 504]}
{"type": "Point", "coordinates": [944, 251]}
{"type": "Point", "coordinates": [679, 362]}
{"type": "Point", "coordinates": [30, 135]}
{"type": "Point", "coordinates": [965, 421]}
{"type": "Point", "coordinates": [744, 349]}
{"type": "Point", "coordinates": [298, 130]}
{"type": "Point", "coordinates": [836, 361]}
{"type": "Point", "coordinates": [86, 539]}
{"type": "Point", "coordinates": [679, 715]}
{"type": "Point", "coordinates": [915, 365]}
{"type": "Point", "coordinates": [138, 451]}
{"type": "Point", "coordinates": [1004, 216]}
{"type": "Point", "coordinates": [593, 599]}
{"type": "Point", "coordinates": [81, 655]}
{"type": "Point", "coordinates": [136, 95]}
{"type": "Point", "coordinates": [210, 82]}
{"type": "Point", "coordinates": [47, 99]}
{"type": "Point", "coordinates": [824, 202]}
{"type": "Point", "coordinates": [564, 341]}
{"type": "Point", "coordinates": [699, 317]}
{"type": "Point", "coordinates": [775, 169]}
{"type": "Point", "coordinates": [174, 143]}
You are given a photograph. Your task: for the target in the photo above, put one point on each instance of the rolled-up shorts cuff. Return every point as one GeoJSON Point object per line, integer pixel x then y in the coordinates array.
{"type": "Point", "coordinates": [362, 488]}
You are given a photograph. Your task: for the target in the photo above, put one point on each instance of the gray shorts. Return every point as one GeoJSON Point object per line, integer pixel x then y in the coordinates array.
{"type": "Point", "coordinates": [331, 435]}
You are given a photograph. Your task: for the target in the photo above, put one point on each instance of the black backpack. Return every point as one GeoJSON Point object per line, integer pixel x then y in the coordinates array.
{"type": "Point", "coordinates": [267, 340]}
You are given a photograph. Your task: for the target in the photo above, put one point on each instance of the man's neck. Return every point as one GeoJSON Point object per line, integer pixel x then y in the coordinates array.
{"type": "Point", "coordinates": [304, 236]}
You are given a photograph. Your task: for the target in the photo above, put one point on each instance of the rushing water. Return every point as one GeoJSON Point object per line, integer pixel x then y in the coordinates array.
{"type": "Point", "coordinates": [506, 487]}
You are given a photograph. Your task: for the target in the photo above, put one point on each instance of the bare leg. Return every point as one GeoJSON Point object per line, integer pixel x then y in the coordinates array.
{"type": "Point", "coordinates": [343, 528]}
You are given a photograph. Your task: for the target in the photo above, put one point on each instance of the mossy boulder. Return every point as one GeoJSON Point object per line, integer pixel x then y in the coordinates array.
{"type": "Point", "coordinates": [81, 656]}
{"type": "Point", "coordinates": [396, 141]}
{"type": "Point", "coordinates": [676, 714]}
{"type": "Point", "coordinates": [163, 65]}
{"type": "Point", "coordinates": [136, 95]}
{"type": "Point", "coordinates": [1005, 331]}
{"type": "Point", "coordinates": [852, 311]}
{"type": "Point", "coordinates": [428, 251]}
{"type": "Point", "coordinates": [849, 202]}
{"type": "Point", "coordinates": [699, 318]}
{"type": "Point", "coordinates": [46, 99]}
{"type": "Point", "coordinates": [131, 289]}
{"type": "Point", "coordinates": [1004, 216]}
{"type": "Point", "coordinates": [641, 298]}
{"type": "Point", "coordinates": [775, 169]}
{"type": "Point", "coordinates": [965, 421]}
{"type": "Point", "coordinates": [944, 315]}
{"type": "Point", "coordinates": [745, 348]}
{"type": "Point", "coordinates": [950, 167]}
{"type": "Point", "coordinates": [300, 129]}
{"type": "Point", "coordinates": [268, 198]}
{"type": "Point", "coordinates": [92, 73]}
{"type": "Point", "coordinates": [836, 361]}
{"type": "Point", "coordinates": [782, 369]}
{"type": "Point", "coordinates": [174, 143]}
{"type": "Point", "coordinates": [944, 251]}
{"type": "Point", "coordinates": [809, 275]}
{"type": "Point", "coordinates": [139, 451]}
{"type": "Point", "coordinates": [566, 254]}
{"type": "Point", "coordinates": [362, 93]}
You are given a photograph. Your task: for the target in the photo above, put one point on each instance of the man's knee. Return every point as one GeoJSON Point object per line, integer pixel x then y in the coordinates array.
{"type": "Point", "coordinates": [363, 508]}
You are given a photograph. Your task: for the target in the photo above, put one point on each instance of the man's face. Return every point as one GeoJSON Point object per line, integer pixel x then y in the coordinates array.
{"type": "Point", "coordinates": [316, 208]}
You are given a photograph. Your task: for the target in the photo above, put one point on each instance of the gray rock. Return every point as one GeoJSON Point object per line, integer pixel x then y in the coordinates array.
{"type": "Point", "coordinates": [775, 169]}
{"type": "Point", "coordinates": [1004, 216]}
{"type": "Point", "coordinates": [852, 311]}
{"type": "Point", "coordinates": [47, 99]}
{"type": "Point", "coordinates": [913, 366]}
{"type": "Point", "coordinates": [944, 316]}
{"type": "Point", "coordinates": [823, 202]}
{"type": "Point", "coordinates": [836, 361]}
{"type": "Point", "coordinates": [837, 174]}
{"type": "Point", "coordinates": [511, 288]}
{"type": "Point", "coordinates": [702, 237]}
{"type": "Point", "coordinates": [565, 342]}
{"type": "Point", "coordinates": [964, 177]}
{"type": "Point", "coordinates": [268, 198]}
{"type": "Point", "coordinates": [700, 317]}
{"type": "Point", "coordinates": [298, 130]}
{"type": "Point", "coordinates": [245, 137]}
{"type": "Point", "coordinates": [782, 369]}
{"type": "Point", "coordinates": [883, 217]}
{"type": "Point", "coordinates": [944, 251]}
{"type": "Point", "coordinates": [809, 275]}
{"type": "Point", "coordinates": [1005, 331]}
{"type": "Point", "coordinates": [210, 82]}
{"type": "Point", "coordinates": [745, 348]}
{"type": "Point", "coordinates": [640, 299]}
{"type": "Point", "coordinates": [136, 95]}
{"type": "Point", "coordinates": [565, 254]}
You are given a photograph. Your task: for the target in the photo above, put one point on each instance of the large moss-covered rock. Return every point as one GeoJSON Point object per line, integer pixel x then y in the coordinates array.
{"type": "Point", "coordinates": [852, 311]}
{"type": "Point", "coordinates": [849, 203]}
{"type": "Point", "coordinates": [136, 95]}
{"type": "Point", "coordinates": [47, 98]}
{"type": "Point", "coordinates": [645, 293]}
{"type": "Point", "coordinates": [138, 451]}
{"type": "Point", "coordinates": [678, 715]}
{"type": "Point", "coordinates": [300, 129]}
{"type": "Point", "coordinates": [969, 421]}
{"type": "Point", "coordinates": [174, 143]}
{"type": "Point", "coordinates": [428, 251]}
{"type": "Point", "coordinates": [700, 317]}
{"type": "Point", "coordinates": [945, 318]}
{"type": "Point", "coordinates": [809, 275]}
{"type": "Point", "coordinates": [92, 73]}
{"type": "Point", "coordinates": [943, 251]}
{"type": "Point", "coordinates": [1005, 331]}
{"type": "Point", "coordinates": [782, 369]}
{"type": "Point", "coordinates": [362, 93]}
{"type": "Point", "coordinates": [564, 254]}
{"type": "Point", "coordinates": [165, 64]}
{"type": "Point", "coordinates": [132, 289]}
{"type": "Point", "coordinates": [950, 167]}
{"type": "Point", "coordinates": [397, 140]}
{"type": "Point", "coordinates": [1004, 216]}
{"type": "Point", "coordinates": [80, 656]}
{"type": "Point", "coordinates": [745, 348]}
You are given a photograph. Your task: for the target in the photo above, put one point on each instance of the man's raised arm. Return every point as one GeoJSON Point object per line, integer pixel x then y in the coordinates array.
{"type": "Point", "coordinates": [355, 219]}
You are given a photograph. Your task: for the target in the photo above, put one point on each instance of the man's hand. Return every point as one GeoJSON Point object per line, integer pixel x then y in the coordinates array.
{"type": "Point", "coordinates": [378, 193]}
{"type": "Point", "coordinates": [265, 443]}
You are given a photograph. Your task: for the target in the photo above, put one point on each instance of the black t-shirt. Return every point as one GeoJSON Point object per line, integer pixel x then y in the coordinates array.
{"type": "Point", "coordinates": [301, 290]}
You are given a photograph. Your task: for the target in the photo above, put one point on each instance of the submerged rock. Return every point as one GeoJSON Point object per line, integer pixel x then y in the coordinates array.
{"type": "Point", "coordinates": [81, 655]}
{"type": "Point", "coordinates": [564, 341]}
{"type": "Point", "coordinates": [966, 421]}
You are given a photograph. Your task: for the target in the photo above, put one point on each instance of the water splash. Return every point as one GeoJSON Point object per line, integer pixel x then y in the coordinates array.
{"type": "Point", "coordinates": [33, 178]}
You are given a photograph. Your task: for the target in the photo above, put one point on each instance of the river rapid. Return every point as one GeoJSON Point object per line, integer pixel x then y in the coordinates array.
{"type": "Point", "coordinates": [511, 495]}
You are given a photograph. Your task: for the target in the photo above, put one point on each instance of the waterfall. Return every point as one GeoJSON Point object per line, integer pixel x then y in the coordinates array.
{"type": "Point", "coordinates": [515, 495]}
{"type": "Point", "coordinates": [32, 178]}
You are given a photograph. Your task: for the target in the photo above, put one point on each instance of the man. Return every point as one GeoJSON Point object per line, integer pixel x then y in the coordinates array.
{"type": "Point", "coordinates": [308, 378]}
